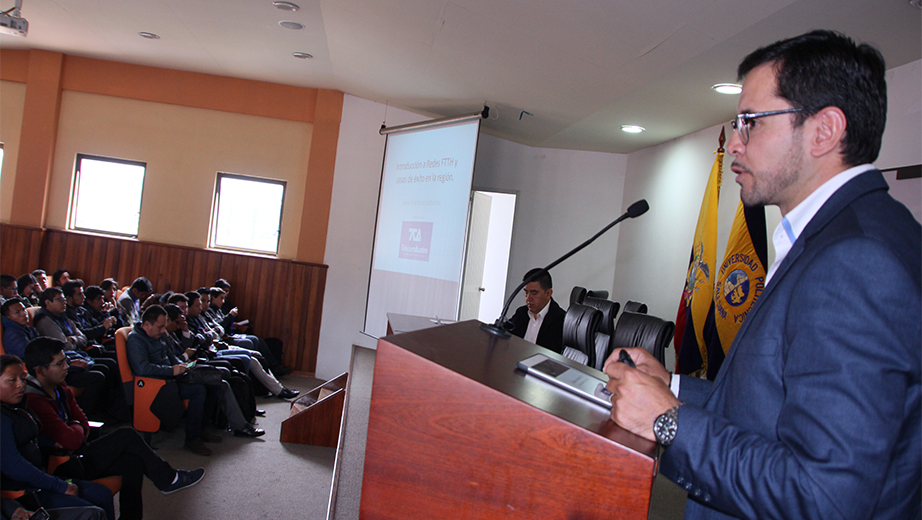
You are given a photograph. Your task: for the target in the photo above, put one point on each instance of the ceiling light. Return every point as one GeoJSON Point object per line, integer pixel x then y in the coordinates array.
{"type": "Point", "coordinates": [728, 88]}
{"type": "Point", "coordinates": [286, 6]}
{"type": "Point", "coordinates": [302, 55]}
{"type": "Point", "coordinates": [288, 24]}
{"type": "Point", "coordinates": [632, 129]}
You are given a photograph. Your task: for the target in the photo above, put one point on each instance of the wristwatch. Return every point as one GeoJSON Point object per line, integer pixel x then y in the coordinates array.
{"type": "Point", "coordinates": [666, 426]}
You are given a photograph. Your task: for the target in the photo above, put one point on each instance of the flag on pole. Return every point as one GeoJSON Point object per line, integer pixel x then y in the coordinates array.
{"type": "Point", "coordinates": [740, 280]}
{"type": "Point", "coordinates": [691, 336]}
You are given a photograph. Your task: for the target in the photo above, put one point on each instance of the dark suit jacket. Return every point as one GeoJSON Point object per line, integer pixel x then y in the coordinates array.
{"type": "Point", "coordinates": [550, 336]}
{"type": "Point", "coordinates": [816, 410]}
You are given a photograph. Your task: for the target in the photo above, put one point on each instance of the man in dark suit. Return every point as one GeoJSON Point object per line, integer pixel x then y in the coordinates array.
{"type": "Point", "coordinates": [540, 320]}
{"type": "Point", "coordinates": [817, 409]}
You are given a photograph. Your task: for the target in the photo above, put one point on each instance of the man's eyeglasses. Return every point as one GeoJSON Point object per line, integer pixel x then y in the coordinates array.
{"type": "Point", "coordinates": [59, 364]}
{"type": "Point", "coordinates": [742, 122]}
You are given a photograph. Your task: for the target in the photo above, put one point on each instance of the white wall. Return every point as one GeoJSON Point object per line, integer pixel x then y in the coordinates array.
{"type": "Point", "coordinates": [353, 206]}
{"type": "Point", "coordinates": [564, 197]}
{"type": "Point", "coordinates": [902, 144]}
{"type": "Point", "coordinates": [653, 254]}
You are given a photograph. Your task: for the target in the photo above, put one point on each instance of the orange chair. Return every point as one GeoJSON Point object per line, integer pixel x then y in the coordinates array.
{"type": "Point", "coordinates": [139, 391]}
{"type": "Point", "coordinates": [1, 340]}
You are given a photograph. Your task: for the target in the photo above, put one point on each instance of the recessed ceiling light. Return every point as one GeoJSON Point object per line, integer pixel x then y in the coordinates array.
{"type": "Point", "coordinates": [148, 35]}
{"type": "Point", "coordinates": [632, 129]}
{"type": "Point", "coordinates": [286, 6]}
{"type": "Point", "coordinates": [302, 55]}
{"type": "Point", "coordinates": [288, 24]}
{"type": "Point", "coordinates": [728, 88]}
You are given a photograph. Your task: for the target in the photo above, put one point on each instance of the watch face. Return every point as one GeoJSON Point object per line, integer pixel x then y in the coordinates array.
{"type": "Point", "coordinates": [665, 427]}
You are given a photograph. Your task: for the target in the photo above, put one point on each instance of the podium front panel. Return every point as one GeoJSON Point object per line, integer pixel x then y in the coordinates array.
{"type": "Point", "coordinates": [456, 431]}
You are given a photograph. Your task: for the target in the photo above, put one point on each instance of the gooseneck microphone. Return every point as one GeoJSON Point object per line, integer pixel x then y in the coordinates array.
{"type": "Point", "coordinates": [499, 326]}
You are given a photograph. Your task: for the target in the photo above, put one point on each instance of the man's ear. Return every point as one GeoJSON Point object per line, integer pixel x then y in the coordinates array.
{"type": "Point", "coordinates": [827, 131]}
{"type": "Point", "coordinates": [550, 292]}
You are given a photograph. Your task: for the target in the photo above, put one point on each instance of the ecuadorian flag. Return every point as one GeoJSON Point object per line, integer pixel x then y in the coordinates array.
{"type": "Point", "coordinates": [693, 329]}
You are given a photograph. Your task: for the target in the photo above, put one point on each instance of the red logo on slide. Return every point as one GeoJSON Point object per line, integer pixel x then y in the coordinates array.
{"type": "Point", "coordinates": [415, 238]}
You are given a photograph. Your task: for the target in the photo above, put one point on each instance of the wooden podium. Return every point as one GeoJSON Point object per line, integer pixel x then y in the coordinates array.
{"type": "Point", "coordinates": [455, 430]}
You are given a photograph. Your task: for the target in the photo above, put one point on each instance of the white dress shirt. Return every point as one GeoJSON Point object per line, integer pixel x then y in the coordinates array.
{"type": "Point", "coordinates": [534, 324]}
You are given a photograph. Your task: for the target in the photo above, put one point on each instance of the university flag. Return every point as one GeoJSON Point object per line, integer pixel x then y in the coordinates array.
{"type": "Point", "coordinates": [691, 336]}
{"type": "Point", "coordinates": [740, 280]}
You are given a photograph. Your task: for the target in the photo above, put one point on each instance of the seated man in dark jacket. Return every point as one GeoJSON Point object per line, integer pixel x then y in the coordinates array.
{"type": "Point", "coordinates": [149, 356]}
{"type": "Point", "coordinates": [122, 452]}
{"type": "Point", "coordinates": [16, 330]}
{"type": "Point", "coordinates": [540, 320]}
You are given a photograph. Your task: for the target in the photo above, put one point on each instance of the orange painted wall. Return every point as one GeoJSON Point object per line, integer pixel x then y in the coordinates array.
{"type": "Point", "coordinates": [47, 75]}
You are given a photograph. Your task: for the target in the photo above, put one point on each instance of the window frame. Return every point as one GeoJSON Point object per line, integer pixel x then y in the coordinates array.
{"type": "Point", "coordinates": [213, 227]}
{"type": "Point", "coordinates": [75, 190]}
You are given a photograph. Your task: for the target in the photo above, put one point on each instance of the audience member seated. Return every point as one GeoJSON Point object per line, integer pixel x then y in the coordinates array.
{"type": "Point", "coordinates": [97, 325]}
{"type": "Point", "coordinates": [198, 325]}
{"type": "Point", "coordinates": [120, 453]}
{"type": "Point", "coordinates": [80, 315]}
{"type": "Point", "coordinates": [98, 376]}
{"type": "Point", "coordinates": [16, 331]}
{"type": "Point", "coordinates": [21, 457]}
{"type": "Point", "coordinates": [110, 286]}
{"type": "Point", "coordinates": [7, 287]}
{"type": "Point", "coordinates": [540, 320]}
{"type": "Point", "coordinates": [28, 289]}
{"type": "Point", "coordinates": [129, 303]}
{"type": "Point", "coordinates": [60, 277]}
{"type": "Point", "coordinates": [42, 278]}
{"type": "Point", "coordinates": [149, 356]}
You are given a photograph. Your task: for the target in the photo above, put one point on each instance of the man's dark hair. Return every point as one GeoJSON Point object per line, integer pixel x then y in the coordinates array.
{"type": "Point", "coordinates": [178, 297]}
{"type": "Point", "coordinates": [173, 312]}
{"type": "Point", "coordinates": [216, 291]}
{"type": "Point", "coordinates": [8, 360]}
{"type": "Point", "coordinates": [152, 313]}
{"type": "Point", "coordinates": [5, 308]}
{"type": "Point", "coordinates": [825, 68]}
{"type": "Point", "coordinates": [153, 299]}
{"type": "Point", "coordinates": [38, 272]}
{"type": "Point", "coordinates": [69, 288]}
{"type": "Point", "coordinates": [56, 277]}
{"type": "Point", "coordinates": [24, 281]}
{"type": "Point", "coordinates": [222, 283]}
{"type": "Point", "coordinates": [191, 296]}
{"type": "Point", "coordinates": [94, 291]}
{"type": "Point", "coordinates": [41, 351]}
{"type": "Point", "coordinates": [49, 294]}
{"type": "Point", "coordinates": [7, 280]}
{"type": "Point", "coordinates": [108, 283]}
{"type": "Point", "coordinates": [204, 290]}
{"type": "Point", "coordinates": [544, 280]}
{"type": "Point", "coordinates": [142, 284]}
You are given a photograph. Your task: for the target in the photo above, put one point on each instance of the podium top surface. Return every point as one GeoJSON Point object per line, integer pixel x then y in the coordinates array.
{"type": "Point", "coordinates": [467, 349]}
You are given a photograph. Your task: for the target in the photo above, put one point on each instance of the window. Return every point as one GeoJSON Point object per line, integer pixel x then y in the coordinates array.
{"type": "Point", "coordinates": [107, 195]}
{"type": "Point", "coordinates": [247, 213]}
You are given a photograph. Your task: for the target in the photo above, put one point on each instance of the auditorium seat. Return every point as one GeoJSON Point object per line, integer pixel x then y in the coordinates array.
{"type": "Point", "coordinates": [641, 330]}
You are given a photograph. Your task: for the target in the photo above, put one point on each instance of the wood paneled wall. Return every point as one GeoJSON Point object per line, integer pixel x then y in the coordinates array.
{"type": "Point", "coordinates": [281, 298]}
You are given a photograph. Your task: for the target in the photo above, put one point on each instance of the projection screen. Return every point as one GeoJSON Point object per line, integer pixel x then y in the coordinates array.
{"type": "Point", "coordinates": [421, 226]}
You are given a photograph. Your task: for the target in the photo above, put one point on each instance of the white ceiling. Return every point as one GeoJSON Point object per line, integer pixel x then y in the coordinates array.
{"type": "Point", "coordinates": [559, 73]}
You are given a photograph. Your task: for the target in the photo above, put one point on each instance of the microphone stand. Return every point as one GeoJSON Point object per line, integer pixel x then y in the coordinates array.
{"type": "Point", "coordinates": [498, 327]}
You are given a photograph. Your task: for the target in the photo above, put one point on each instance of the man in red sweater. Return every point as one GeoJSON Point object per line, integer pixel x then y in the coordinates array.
{"type": "Point", "coordinates": [122, 452]}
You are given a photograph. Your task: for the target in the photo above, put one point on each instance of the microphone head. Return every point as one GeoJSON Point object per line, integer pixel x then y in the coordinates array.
{"type": "Point", "coordinates": [638, 208]}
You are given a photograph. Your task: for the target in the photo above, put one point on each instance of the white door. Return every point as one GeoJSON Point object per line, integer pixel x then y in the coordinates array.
{"type": "Point", "coordinates": [472, 285]}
